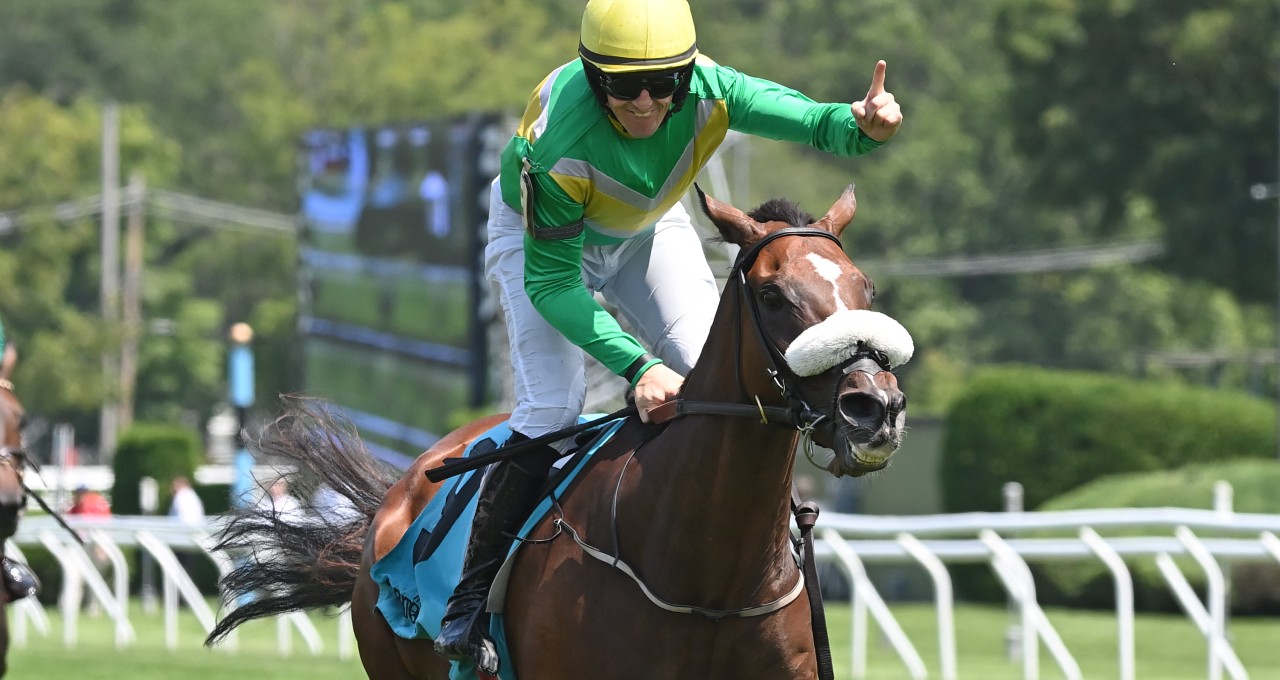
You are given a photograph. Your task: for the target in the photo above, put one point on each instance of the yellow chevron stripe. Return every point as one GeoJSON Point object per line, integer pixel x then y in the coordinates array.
{"type": "Point", "coordinates": [611, 217]}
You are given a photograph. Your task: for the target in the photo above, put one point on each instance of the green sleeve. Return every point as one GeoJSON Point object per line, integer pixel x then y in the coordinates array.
{"type": "Point", "coordinates": [552, 207]}
{"type": "Point", "coordinates": [553, 280]}
{"type": "Point", "coordinates": [553, 268]}
{"type": "Point", "coordinates": [767, 109]}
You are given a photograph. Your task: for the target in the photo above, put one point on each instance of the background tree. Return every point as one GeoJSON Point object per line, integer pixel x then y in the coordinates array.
{"type": "Point", "coordinates": [1030, 125]}
{"type": "Point", "coordinates": [1167, 105]}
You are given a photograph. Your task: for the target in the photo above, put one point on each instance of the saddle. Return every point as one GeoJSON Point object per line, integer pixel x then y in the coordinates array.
{"type": "Point", "coordinates": [417, 576]}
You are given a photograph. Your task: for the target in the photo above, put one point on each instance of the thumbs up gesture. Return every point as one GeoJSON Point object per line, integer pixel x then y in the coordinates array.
{"type": "Point", "coordinates": [878, 115]}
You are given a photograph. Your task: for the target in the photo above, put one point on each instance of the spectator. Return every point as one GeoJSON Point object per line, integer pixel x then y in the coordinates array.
{"type": "Point", "coordinates": [333, 506]}
{"type": "Point", "coordinates": [86, 501]}
{"type": "Point", "coordinates": [280, 503]}
{"type": "Point", "coordinates": [186, 505]}
{"type": "Point", "coordinates": [90, 504]}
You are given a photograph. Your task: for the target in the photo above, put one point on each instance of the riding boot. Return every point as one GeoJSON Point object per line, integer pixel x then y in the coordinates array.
{"type": "Point", "coordinates": [19, 580]}
{"type": "Point", "coordinates": [509, 492]}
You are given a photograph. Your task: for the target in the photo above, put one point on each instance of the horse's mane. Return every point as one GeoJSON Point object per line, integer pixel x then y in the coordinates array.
{"type": "Point", "coordinates": [781, 210]}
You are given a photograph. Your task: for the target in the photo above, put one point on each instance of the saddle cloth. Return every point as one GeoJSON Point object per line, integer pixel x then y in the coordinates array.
{"type": "Point", "coordinates": [417, 577]}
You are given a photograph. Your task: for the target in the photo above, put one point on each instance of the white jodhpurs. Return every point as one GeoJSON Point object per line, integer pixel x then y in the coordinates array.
{"type": "Point", "coordinates": [659, 281]}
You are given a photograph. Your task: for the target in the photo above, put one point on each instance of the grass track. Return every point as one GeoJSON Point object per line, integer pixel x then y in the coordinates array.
{"type": "Point", "coordinates": [1169, 648]}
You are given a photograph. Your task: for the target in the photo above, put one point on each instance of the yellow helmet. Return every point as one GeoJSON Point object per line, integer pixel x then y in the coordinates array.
{"type": "Point", "coordinates": [621, 36]}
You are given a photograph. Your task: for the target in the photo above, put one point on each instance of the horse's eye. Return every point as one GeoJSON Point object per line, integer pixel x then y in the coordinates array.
{"type": "Point", "coordinates": [772, 298]}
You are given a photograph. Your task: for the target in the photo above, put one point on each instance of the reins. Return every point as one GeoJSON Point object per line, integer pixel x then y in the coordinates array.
{"type": "Point", "coordinates": [456, 466]}
{"type": "Point", "coordinates": [797, 414]}
{"type": "Point", "coordinates": [57, 516]}
{"type": "Point", "coordinates": [17, 457]}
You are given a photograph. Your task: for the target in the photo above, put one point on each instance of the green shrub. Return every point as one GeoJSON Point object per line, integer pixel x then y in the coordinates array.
{"type": "Point", "coordinates": [159, 451]}
{"type": "Point", "coordinates": [1053, 431]}
{"type": "Point", "coordinates": [216, 498]}
{"type": "Point", "coordinates": [1255, 586]}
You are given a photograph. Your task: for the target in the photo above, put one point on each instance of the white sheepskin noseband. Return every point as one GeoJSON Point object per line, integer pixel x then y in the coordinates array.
{"type": "Point", "coordinates": [832, 342]}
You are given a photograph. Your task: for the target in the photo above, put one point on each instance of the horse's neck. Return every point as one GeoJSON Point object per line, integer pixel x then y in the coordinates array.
{"type": "Point", "coordinates": [705, 508]}
{"type": "Point", "coordinates": [717, 490]}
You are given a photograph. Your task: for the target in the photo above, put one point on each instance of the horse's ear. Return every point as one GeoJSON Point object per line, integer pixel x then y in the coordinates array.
{"type": "Point", "coordinates": [840, 214]}
{"type": "Point", "coordinates": [734, 225]}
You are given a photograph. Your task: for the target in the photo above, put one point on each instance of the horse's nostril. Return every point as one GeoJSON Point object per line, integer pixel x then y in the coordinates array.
{"type": "Point", "coordinates": [862, 409]}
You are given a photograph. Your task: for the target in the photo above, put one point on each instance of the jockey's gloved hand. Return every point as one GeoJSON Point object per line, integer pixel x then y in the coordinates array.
{"type": "Point", "coordinates": [19, 580]}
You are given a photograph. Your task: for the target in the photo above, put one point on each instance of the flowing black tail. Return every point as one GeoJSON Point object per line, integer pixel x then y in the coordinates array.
{"type": "Point", "coordinates": [285, 564]}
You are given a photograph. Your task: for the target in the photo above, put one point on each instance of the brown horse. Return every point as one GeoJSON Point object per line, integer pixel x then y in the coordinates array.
{"type": "Point", "coordinates": [698, 507]}
{"type": "Point", "coordinates": [13, 495]}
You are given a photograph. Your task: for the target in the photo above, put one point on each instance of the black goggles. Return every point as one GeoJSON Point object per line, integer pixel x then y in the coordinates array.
{"type": "Point", "coordinates": [628, 86]}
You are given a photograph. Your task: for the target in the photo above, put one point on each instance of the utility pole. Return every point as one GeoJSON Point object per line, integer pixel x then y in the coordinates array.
{"type": "Point", "coordinates": [1262, 192]}
{"type": "Point", "coordinates": [110, 287]}
{"type": "Point", "coordinates": [131, 309]}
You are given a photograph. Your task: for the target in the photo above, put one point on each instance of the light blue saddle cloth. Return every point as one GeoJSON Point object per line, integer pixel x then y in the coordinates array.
{"type": "Point", "coordinates": [417, 577]}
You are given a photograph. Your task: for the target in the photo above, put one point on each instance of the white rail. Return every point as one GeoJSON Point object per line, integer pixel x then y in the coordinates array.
{"type": "Point", "coordinates": [1124, 598]}
{"type": "Point", "coordinates": [160, 538]}
{"type": "Point", "coordinates": [993, 538]}
{"type": "Point", "coordinates": [1005, 541]}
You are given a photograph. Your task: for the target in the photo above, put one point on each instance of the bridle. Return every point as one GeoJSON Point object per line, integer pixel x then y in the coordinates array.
{"type": "Point", "coordinates": [797, 414]}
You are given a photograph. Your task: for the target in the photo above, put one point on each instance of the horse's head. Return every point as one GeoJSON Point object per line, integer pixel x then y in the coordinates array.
{"type": "Point", "coordinates": [13, 495]}
{"type": "Point", "coordinates": [819, 345]}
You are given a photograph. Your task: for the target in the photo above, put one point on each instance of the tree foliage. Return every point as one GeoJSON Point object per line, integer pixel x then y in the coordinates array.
{"type": "Point", "coordinates": [1030, 124]}
{"type": "Point", "coordinates": [1168, 103]}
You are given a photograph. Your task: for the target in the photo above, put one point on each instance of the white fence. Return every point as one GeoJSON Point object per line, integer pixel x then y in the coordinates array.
{"type": "Point", "coordinates": [158, 539]}
{"type": "Point", "coordinates": [1001, 540]}
{"type": "Point", "coordinates": [1005, 541]}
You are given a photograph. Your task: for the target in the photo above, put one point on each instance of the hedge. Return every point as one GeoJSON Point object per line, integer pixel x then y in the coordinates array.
{"type": "Point", "coordinates": [159, 451]}
{"type": "Point", "coordinates": [1053, 431]}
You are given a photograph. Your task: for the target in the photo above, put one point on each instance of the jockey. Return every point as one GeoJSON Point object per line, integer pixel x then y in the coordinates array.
{"type": "Point", "coordinates": [18, 581]}
{"type": "Point", "coordinates": [588, 201]}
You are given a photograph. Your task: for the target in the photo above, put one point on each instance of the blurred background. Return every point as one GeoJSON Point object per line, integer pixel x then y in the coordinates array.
{"type": "Point", "coordinates": [1085, 189]}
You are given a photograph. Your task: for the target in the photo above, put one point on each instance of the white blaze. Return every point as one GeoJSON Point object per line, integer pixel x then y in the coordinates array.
{"type": "Point", "coordinates": [831, 272]}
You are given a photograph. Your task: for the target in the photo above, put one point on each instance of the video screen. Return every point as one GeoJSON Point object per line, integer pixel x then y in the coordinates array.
{"type": "Point", "coordinates": [391, 275]}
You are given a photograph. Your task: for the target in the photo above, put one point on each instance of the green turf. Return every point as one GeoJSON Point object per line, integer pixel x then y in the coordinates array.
{"type": "Point", "coordinates": [94, 657]}
{"type": "Point", "coordinates": [1168, 648]}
